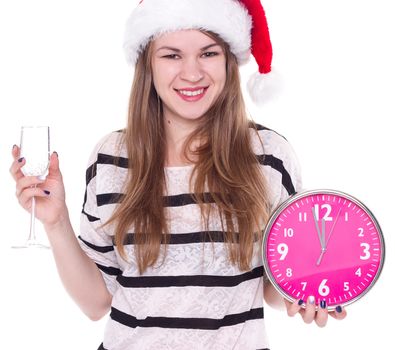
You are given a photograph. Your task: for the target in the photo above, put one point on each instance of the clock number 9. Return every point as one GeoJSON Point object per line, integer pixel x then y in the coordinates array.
{"type": "Point", "coordinates": [282, 249]}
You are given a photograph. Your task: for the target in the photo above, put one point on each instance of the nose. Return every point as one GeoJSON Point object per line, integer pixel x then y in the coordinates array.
{"type": "Point", "coordinates": [191, 71]}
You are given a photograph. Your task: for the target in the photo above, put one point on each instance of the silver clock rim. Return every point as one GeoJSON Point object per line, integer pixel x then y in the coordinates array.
{"type": "Point", "coordinates": [293, 198]}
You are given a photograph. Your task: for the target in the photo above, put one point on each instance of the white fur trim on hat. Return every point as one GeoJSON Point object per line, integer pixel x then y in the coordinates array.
{"type": "Point", "coordinates": [227, 18]}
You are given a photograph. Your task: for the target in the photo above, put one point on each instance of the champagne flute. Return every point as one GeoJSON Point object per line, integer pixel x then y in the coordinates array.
{"type": "Point", "coordinates": [35, 150]}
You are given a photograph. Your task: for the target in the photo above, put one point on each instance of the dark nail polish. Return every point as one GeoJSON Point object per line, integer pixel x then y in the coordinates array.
{"type": "Point", "coordinates": [56, 153]}
{"type": "Point", "coordinates": [300, 302]}
{"type": "Point", "coordinates": [20, 160]}
{"type": "Point", "coordinates": [47, 192]}
{"type": "Point", "coordinates": [323, 304]}
{"type": "Point", "coordinates": [339, 309]}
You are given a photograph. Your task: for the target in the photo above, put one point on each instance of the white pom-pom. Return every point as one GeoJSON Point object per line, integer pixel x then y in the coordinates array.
{"type": "Point", "coordinates": [264, 87]}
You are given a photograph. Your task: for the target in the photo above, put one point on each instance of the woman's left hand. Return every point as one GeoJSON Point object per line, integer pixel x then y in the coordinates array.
{"type": "Point", "coordinates": [310, 313]}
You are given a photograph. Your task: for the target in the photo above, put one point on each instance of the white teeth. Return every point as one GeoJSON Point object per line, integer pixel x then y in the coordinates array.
{"type": "Point", "coordinates": [191, 93]}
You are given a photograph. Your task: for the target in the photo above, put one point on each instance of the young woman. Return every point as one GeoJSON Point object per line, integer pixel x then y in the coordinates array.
{"type": "Point", "coordinates": [175, 203]}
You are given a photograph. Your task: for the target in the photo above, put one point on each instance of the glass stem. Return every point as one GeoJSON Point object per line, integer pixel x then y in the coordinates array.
{"type": "Point", "coordinates": [32, 234]}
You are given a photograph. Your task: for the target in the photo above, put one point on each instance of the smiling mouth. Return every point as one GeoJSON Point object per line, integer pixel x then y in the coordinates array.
{"type": "Point", "coordinates": [191, 94]}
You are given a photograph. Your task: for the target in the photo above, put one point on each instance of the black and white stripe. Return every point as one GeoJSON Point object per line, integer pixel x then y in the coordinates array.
{"type": "Point", "coordinates": [188, 281]}
{"type": "Point", "coordinates": [183, 296]}
{"type": "Point", "coordinates": [186, 323]}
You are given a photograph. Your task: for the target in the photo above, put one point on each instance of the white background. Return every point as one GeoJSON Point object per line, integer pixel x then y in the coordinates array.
{"type": "Point", "coordinates": [62, 65]}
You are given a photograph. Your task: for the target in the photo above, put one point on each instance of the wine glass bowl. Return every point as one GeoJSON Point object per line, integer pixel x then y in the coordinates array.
{"type": "Point", "coordinates": [34, 149]}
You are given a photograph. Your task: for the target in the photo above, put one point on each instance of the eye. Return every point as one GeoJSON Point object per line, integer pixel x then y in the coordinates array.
{"type": "Point", "coordinates": [171, 56]}
{"type": "Point", "coordinates": [210, 54]}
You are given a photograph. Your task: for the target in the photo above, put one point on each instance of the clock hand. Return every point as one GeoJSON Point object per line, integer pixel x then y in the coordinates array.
{"type": "Point", "coordinates": [317, 228]}
{"type": "Point", "coordinates": [323, 246]}
{"type": "Point", "coordinates": [330, 233]}
{"type": "Point", "coordinates": [323, 251]}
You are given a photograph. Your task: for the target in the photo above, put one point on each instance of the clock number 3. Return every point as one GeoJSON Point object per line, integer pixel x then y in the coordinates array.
{"type": "Point", "coordinates": [366, 251]}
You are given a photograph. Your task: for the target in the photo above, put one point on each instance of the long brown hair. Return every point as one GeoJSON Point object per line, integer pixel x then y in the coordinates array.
{"type": "Point", "coordinates": [225, 164]}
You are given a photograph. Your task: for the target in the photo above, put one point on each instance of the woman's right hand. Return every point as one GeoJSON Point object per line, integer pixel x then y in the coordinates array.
{"type": "Point", "coordinates": [49, 193]}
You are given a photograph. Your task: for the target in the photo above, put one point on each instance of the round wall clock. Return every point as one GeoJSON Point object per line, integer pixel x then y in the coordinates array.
{"type": "Point", "coordinates": [323, 243]}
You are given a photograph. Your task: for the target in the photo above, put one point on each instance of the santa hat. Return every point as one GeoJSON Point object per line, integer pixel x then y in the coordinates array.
{"type": "Point", "coordinates": [242, 24]}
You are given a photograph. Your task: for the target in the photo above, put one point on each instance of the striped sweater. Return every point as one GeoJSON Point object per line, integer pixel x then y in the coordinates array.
{"type": "Point", "coordinates": [194, 299]}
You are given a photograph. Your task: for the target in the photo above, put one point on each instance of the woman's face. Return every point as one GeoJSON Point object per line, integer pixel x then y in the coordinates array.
{"type": "Point", "coordinates": [189, 72]}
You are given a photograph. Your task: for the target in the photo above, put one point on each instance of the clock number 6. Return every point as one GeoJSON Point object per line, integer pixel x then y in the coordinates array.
{"type": "Point", "coordinates": [323, 289]}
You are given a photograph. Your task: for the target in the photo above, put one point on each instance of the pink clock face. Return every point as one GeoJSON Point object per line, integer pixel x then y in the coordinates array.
{"type": "Point", "coordinates": [325, 244]}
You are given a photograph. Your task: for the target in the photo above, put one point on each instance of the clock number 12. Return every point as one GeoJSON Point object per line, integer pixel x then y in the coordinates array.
{"type": "Point", "coordinates": [327, 209]}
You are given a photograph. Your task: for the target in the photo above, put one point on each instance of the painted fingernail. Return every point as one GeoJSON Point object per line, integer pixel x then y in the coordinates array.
{"type": "Point", "coordinates": [13, 147]}
{"type": "Point", "coordinates": [339, 309]}
{"type": "Point", "coordinates": [47, 192]}
{"type": "Point", "coordinates": [56, 153]}
{"type": "Point", "coordinates": [300, 302]}
{"type": "Point", "coordinates": [20, 160]}
{"type": "Point", "coordinates": [311, 299]}
{"type": "Point", "coordinates": [323, 304]}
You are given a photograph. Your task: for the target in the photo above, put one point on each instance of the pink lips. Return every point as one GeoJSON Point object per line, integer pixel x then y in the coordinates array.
{"type": "Point", "coordinates": [192, 98]}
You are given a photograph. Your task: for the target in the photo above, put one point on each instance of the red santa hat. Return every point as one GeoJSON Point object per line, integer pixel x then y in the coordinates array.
{"type": "Point", "coordinates": [241, 23]}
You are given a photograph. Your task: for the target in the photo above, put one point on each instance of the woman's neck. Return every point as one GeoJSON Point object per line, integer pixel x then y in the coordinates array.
{"type": "Point", "coordinates": [176, 133]}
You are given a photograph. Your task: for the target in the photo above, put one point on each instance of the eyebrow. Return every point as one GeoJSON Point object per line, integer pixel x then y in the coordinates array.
{"type": "Point", "coordinates": [178, 50]}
